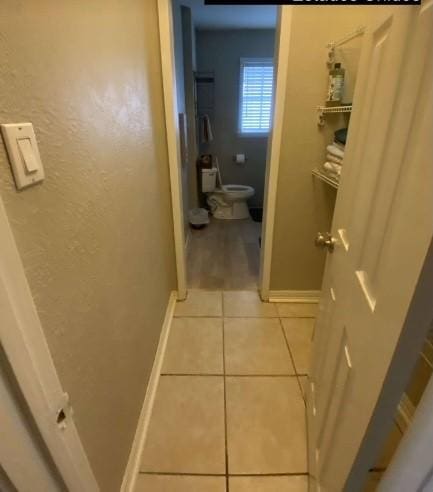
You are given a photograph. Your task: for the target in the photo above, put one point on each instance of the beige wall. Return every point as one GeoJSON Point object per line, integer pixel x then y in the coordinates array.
{"type": "Point", "coordinates": [96, 236]}
{"type": "Point", "coordinates": [304, 205]}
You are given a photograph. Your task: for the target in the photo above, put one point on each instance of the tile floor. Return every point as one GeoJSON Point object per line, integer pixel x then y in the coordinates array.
{"type": "Point", "coordinates": [229, 413]}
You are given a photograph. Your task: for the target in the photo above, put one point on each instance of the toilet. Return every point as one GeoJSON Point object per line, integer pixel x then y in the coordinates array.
{"type": "Point", "coordinates": [228, 201]}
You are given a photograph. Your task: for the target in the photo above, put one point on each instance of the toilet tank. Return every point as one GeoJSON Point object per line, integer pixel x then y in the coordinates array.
{"type": "Point", "coordinates": [208, 179]}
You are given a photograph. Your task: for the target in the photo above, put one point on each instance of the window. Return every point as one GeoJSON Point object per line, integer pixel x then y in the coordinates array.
{"type": "Point", "coordinates": [255, 101]}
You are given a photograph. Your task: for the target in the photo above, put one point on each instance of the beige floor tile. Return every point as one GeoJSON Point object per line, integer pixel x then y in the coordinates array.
{"type": "Point", "coordinates": [256, 346]}
{"type": "Point", "coordinates": [299, 332]}
{"type": "Point", "coordinates": [200, 303]}
{"type": "Point", "coordinates": [265, 425]}
{"type": "Point", "coordinates": [195, 346]}
{"type": "Point", "coordinates": [297, 309]}
{"type": "Point", "coordinates": [167, 483]}
{"type": "Point", "coordinates": [186, 431]}
{"type": "Point", "coordinates": [247, 303]}
{"type": "Point", "coordinates": [295, 483]}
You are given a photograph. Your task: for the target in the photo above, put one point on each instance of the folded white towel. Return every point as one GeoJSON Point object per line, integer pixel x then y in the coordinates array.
{"type": "Point", "coordinates": [332, 149]}
{"type": "Point", "coordinates": [338, 145]}
{"type": "Point", "coordinates": [332, 167]}
{"type": "Point", "coordinates": [333, 158]}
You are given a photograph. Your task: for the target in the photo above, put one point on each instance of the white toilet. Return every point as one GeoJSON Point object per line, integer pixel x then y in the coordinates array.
{"type": "Point", "coordinates": [228, 201]}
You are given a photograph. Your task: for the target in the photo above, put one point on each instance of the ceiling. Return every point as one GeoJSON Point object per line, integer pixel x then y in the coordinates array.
{"type": "Point", "coordinates": [231, 16]}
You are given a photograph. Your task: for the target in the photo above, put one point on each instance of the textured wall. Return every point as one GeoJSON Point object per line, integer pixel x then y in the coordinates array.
{"type": "Point", "coordinates": [96, 236]}
{"type": "Point", "coordinates": [220, 51]}
{"type": "Point", "coordinates": [305, 205]}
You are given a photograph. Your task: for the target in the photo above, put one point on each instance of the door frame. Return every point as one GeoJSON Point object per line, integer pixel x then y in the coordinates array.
{"type": "Point", "coordinates": [283, 28]}
{"type": "Point", "coordinates": [27, 351]}
{"type": "Point", "coordinates": [166, 39]}
{"type": "Point", "coordinates": [282, 47]}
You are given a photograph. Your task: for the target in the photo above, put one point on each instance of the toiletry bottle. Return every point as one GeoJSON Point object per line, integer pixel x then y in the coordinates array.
{"type": "Point", "coordinates": [336, 83]}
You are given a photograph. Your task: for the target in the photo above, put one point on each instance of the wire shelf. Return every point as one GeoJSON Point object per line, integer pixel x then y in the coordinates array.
{"type": "Point", "coordinates": [322, 110]}
{"type": "Point", "coordinates": [325, 178]}
{"type": "Point", "coordinates": [357, 32]}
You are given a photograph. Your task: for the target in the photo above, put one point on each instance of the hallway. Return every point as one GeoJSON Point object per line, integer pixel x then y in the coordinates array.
{"type": "Point", "coordinates": [229, 412]}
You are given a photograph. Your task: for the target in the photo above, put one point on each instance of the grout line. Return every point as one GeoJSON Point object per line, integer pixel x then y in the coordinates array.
{"type": "Point", "coordinates": [196, 316]}
{"type": "Point", "coordinates": [182, 474]}
{"type": "Point", "coordinates": [261, 375]}
{"type": "Point", "coordinates": [241, 317]}
{"type": "Point", "coordinates": [185, 374]}
{"type": "Point", "coordinates": [245, 316]}
{"type": "Point", "coordinates": [225, 401]}
{"type": "Point", "coordinates": [288, 474]}
{"type": "Point", "coordinates": [192, 474]}
{"type": "Point", "coordinates": [293, 361]}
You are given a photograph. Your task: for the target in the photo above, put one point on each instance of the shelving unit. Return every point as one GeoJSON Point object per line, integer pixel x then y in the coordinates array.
{"type": "Point", "coordinates": [323, 110]}
{"type": "Point", "coordinates": [325, 178]}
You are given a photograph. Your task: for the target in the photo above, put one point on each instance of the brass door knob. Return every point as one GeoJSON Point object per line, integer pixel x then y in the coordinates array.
{"type": "Point", "coordinates": [325, 241]}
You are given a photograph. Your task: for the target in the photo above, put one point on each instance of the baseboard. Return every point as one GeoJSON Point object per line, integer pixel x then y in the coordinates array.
{"type": "Point", "coordinates": [132, 467]}
{"type": "Point", "coordinates": [294, 296]}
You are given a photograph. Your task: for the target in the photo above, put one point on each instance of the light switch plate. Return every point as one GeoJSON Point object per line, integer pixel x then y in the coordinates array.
{"type": "Point", "coordinates": [25, 173]}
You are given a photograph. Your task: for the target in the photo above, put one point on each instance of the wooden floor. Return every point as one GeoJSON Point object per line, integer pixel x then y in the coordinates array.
{"type": "Point", "coordinates": [224, 255]}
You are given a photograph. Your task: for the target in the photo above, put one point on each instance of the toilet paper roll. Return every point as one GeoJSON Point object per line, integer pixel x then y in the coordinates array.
{"type": "Point", "coordinates": [240, 158]}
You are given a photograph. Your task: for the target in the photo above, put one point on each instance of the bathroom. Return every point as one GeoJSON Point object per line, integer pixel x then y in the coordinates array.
{"type": "Point", "coordinates": [218, 55]}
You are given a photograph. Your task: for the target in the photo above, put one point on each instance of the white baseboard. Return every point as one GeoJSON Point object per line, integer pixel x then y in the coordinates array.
{"type": "Point", "coordinates": [133, 465]}
{"type": "Point", "coordinates": [312, 296]}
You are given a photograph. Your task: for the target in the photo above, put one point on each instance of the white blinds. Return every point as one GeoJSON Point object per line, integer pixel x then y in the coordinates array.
{"type": "Point", "coordinates": [256, 85]}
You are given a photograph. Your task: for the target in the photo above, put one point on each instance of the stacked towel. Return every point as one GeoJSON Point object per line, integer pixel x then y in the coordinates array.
{"type": "Point", "coordinates": [332, 168]}
{"type": "Point", "coordinates": [335, 156]}
{"type": "Point", "coordinates": [335, 151]}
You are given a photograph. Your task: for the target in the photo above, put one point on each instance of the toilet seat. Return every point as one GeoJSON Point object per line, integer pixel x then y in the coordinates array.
{"type": "Point", "coordinates": [233, 192]}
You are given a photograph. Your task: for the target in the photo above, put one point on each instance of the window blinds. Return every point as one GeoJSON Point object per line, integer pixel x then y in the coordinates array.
{"type": "Point", "coordinates": [256, 86]}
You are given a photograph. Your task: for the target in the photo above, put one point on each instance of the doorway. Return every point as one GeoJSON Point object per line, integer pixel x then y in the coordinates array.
{"type": "Point", "coordinates": [224, 71]}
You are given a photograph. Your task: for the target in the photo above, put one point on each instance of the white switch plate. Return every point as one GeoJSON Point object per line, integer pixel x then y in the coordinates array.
{"type": "Point", "coordinates": [25, 173]}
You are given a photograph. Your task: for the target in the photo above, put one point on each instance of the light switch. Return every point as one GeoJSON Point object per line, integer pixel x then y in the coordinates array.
{"type": "Point", "coordinates": [28, 155]}
{"type": "Point", "coordinates": [23, 152]}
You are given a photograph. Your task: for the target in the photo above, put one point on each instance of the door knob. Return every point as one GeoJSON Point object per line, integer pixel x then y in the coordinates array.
{"type": "Point", "coordinates": [325, 241]}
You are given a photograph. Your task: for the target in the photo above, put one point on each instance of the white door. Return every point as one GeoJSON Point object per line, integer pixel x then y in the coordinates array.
{"type": "Point", "coordinates": [382, 228]}
{"type": "Point", "coordinates": [24, 461]}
